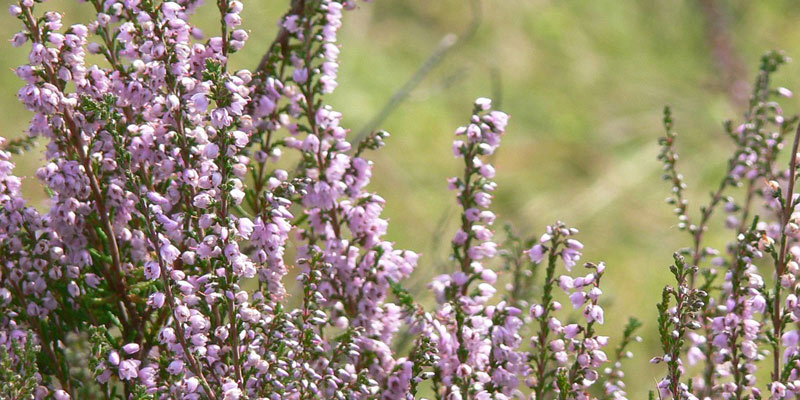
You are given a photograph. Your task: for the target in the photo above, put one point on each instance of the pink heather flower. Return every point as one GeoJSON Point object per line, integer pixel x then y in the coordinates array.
{"type": "Point", "coordinates": [61, 395]}
{"type": "Point", "coordinates": [460, 238]}
{"type": "Point", "coordinates": [300, 75]}
{"type": "Point", "coordinates": [483, 199]}
{"type": "Point", "coordinates": [175, 367]}
{"type": "Point", "coordinates": [601, 267]}
{"type": "Point", "coordinates": [749, 349]}
{"type": "Point", "coordinates": [73, 289]}
{"type": "Point", "coordinates": [472, 214]}
{"type": "Point", "coordinates": [182, 313]}
{"type": "Point", "coordinates": [489, 276]}
{"type": "Point", "coordinates": [92, 280]}
{"type": "Point", "coordinates": [487, 171]}
{"type": "Point", "coordinates": [113, 357]}
{"type": "Point", "coordinates": [200, 102]}
{"type": "Point", "coordinates": [458, 150]}
{"type": "Point", "coordinates": [129, 369]}
{"type": "Point", "coordinates": [790, 339]}
{"type": "Point", "coordinates": [663, 388]}
{"type": "Point", "coordinates": [536, 253]}
{"type": "Point", "coordinates": [557, 345]}
{"type": "Point", "coordinates": [577, 299]}
{"type": "Point", "coordinates": [171, 10]}
{"type": "Point", "coordinates": [291, 23]}
{"type": "Point", "coordinates": [131, 348]}
{"type": "Point", "coordinates": [152, 270]}
{"type": "Point", "coordinates": [169, 253]}
{"type": "Point", "coordinates": [156, 300]}
{"type": "Point", "coordinates": [473, 133]}
{"type": "Point", "coordinates": [537, 310]}
{"type": "Point", "coordinates": [695, 355]}
{"type": "Point", "coordinates": [483, 103]}
{"type": "Point", "coordinates": [566, 282]}
{"type": "Point", "coordinates": [574, 244]}
{"type": "Point", "coordinates": [188, 257]}
{"type": "Point", "coordinates": [19, 39]}
{"type": "Point", "coordinates": [233, 20]}
{"type": "Point", "coordinates": [147, 376]}
{"type": "Point", "coordinates": [570, 257]}
{"type": "Point", "coordinates": [191, 384]}
{"type": "Point", "coordinates": [245, 227]}
{"type": "Point", "coordinates": [571, 330]}
{"type": "Point", "coordinates": [778, 390]}
{"type": "Point", "coordinates": [231, 391]}
{"type": "Point", "coordinates": [594, 313]}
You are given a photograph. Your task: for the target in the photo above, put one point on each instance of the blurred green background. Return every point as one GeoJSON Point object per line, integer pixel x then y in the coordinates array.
{"type": "Point", "coordinates": [584, 82]}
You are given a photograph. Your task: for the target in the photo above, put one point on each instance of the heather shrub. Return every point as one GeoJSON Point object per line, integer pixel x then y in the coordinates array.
{"type": "Point", "coordinates": [732, 313]}
{"type": "Point", "coordinates": [211, 235]}
{"type": "Point", "coordinates": [185, 198]}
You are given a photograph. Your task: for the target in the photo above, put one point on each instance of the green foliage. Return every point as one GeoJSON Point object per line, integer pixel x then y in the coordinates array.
{"type": "Point", "coordinates": [20, 145]}
{"type": "Point", "coordinates": [373, 141]}
{"type": "Point", "coordinates": [18, 369]}
{"type": "Point", "coordinates": [673, 323]}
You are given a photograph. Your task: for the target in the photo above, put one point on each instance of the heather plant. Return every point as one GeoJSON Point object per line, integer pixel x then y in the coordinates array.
{"type": "Point", "coordinates": [210, 235]}
{"type": "Point", "coordinates": [185, 197]}
{"type": "Point", "coordinates": [723, 317]}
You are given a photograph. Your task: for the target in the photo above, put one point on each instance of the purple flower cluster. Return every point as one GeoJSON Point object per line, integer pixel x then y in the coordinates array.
{"type": "Point", "coordinates": [478, 342]}
{"type": "Point", "coordinates": [481, 347]}
{"type": "Point", "coordinates": [567, 357]}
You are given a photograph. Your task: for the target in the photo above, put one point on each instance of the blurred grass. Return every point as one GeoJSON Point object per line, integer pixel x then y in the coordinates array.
{"type": "Point", "coordinates": [584, 82]}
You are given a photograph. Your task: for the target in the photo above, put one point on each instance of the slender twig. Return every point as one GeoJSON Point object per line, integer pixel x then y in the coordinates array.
{"type": "Point", "coordinates": [446, 45]}
{"type": "Point", "coordinates": [282, 38]}
{"type": "Point", "coordinates": [780, 267]}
